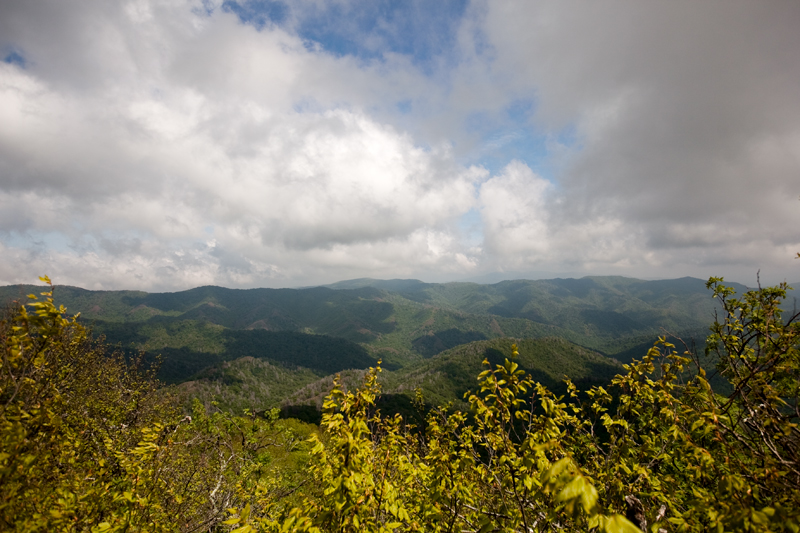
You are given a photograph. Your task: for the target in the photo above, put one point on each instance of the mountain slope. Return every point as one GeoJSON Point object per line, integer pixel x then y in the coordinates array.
{"type": "Point", "coordinates": [402, 322]}
{"type": "Point", "coordinates": [448, 375]}
{"type": "Point", "coordinates": [247, 383]}
{"type": "Point", "coordinates": [597, 311]}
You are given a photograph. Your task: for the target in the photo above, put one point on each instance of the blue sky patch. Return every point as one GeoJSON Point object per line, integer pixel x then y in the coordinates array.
{"type": "Point", "coordinates": [15, 57]}
{"type": "Point", "coordinates": [366, 29]}
{"type": "Point", "coordinates": [471, 227]}
{"type": "Point", "coordinates": [259, 13]}
{"type": "Point", "coordinates": [404, 107]}
{"type": "Point", "coordinates": [512, 134]}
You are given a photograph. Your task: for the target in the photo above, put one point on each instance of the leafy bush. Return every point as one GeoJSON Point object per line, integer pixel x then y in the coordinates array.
{"type": "Point", "coordinates": [90, 443]}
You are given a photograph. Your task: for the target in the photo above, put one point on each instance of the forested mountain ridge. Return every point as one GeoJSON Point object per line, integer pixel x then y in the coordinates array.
{"type": "Point", "coordinates": [449, 375]}
{"type": "Point", "coordinates": [365, 311]}
{"type": "Point", "coordinates": [611, 304]}
{"type": "Point", "coordinates": [227, 341]}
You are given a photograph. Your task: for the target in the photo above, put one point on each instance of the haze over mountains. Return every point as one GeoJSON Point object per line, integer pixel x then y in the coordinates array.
{"type": "Point", "coordinates": [263, 347]}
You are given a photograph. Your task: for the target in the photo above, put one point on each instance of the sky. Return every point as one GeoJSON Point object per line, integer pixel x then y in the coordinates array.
{"type": "Point", "coordinates": [162, 145]}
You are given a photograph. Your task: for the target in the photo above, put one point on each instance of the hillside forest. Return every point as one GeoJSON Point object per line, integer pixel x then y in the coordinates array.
{"type": "Point", "coordinates": [603, 404]}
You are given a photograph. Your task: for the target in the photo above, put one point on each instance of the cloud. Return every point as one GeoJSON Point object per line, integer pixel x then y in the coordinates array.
{"type": "Point", "coordinates": [207, 145]}
{"type": "Point", "coordinates": [686, 118]}
{"type": "Point", "coordinates": [515, 213]}
{"type": "Point", "coordinates": [164, 145]}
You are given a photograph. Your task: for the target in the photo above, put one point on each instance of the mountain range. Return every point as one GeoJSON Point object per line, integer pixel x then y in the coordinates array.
{"type": "Point", "coordinates": [262, 348]}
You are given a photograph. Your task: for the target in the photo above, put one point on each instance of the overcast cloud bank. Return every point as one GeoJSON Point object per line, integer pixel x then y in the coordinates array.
{"type": "Point", "coordinates": [164, 145]}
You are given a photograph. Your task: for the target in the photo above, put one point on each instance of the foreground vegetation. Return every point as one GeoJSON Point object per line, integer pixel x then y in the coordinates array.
{"type": "Point", "coordinates": [89, 442]}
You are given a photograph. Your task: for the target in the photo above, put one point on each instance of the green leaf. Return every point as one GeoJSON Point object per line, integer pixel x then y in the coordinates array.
{"type": "Point", "coordinates": [619, 524]}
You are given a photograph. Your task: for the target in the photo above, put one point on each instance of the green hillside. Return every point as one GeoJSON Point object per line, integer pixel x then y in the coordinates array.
{"type": "Point", "coordinates": [421, 331]}
{"type": "Point", "coordinates": [247, 383]}
{"type": "Point", "coordinates": [594, 310]}
{"type": "Point", "coordinates": [450, 374]}
{"type": "Point", "coordinates": [321, 354]}
{"type": "Point", "coordinates": [611, 314]}
{"type": "Point", "coordinates": [356, 315]}
{"type": "Point", "coordinates": [602, 307]}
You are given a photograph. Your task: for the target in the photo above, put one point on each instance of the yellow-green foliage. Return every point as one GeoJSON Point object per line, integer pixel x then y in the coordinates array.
{"type": "Point", "coordinates": [77, 426]}
{"type": "Point", "coordinates": [462, 474]}
{"type": "Point", "coordinates": [89, 443]}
